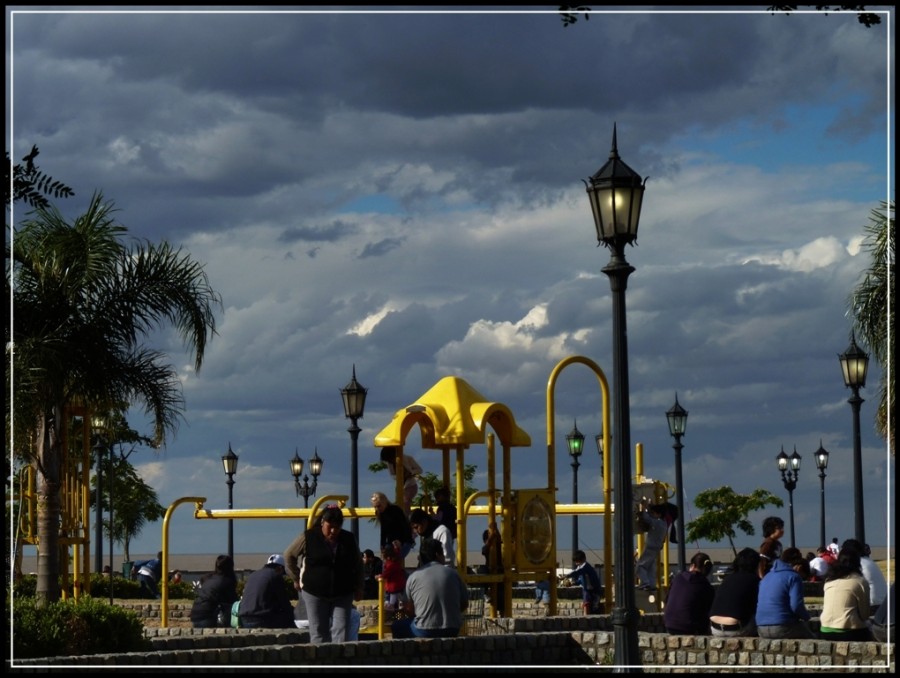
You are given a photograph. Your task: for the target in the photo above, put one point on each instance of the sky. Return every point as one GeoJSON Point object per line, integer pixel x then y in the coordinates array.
{"type": "Point", "coordinates": [400, 193]}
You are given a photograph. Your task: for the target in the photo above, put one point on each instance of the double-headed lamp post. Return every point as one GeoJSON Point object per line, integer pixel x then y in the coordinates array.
{"type": "Point", "coordinates": [575, 443]}
{"type": "Point", "coordinates": [822, 464]}
{"type": "Point", "coordinates": [354, 397]}
{"type": "Point", "coordinates": [854, 365]}
{"type": "Point", "coordinates": [790, 469]}
{"type": "Point", "coordinates": [616, 193]}
{"type": "Point", "coordinates": [315, 468]}
{"type": "Point", "coordinates": [677, 417]}
{"type": "Point", "coordinates": [230, 464]}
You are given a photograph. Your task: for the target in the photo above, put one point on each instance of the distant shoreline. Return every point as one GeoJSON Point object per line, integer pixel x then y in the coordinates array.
{"type": "Point", "coordinates": [203, 562]}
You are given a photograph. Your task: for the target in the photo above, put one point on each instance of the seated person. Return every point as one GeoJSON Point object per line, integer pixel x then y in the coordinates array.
{"type": "Point", "coordinates": [437, 598]}
{"type": "Point", "coordinates": [882, 624]}
{"type": "Point", "coordinates": [585, 575]}
{"type": "Point", "coordinates": [265, 602]}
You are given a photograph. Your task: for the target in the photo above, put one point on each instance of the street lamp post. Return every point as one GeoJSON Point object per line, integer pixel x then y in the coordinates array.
{"type": "Point", "coordinates": [575, 443]}
{"type": "Point", "coordinates": [822, 464]}
{"type": "Point", "coordinates": [854, 365]}
{"type": "Point", "coordinates": [98, 426]}
{"type": "Point", "coordinates": [230, 463]}
{"type": "Point", "coordinates": [112, 469]}
{"type": "Point", "coordinates": [616, 194]}
{"type": "Point", "coordinates": [315, 468]}
{"type": "Point", "coordinates": [354, 397]}
{"type": "Point", "coordinates": [677, 417]}
{"type": "Point", "coordinates": [790, 469]}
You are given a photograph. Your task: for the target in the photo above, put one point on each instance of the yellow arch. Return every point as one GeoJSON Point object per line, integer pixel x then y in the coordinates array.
{"type": "Point", "coordinates": [551, 456]}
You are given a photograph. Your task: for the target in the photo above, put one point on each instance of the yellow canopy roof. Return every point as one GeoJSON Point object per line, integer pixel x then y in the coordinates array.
{"type": "Point", "coordinates": [450, 414]}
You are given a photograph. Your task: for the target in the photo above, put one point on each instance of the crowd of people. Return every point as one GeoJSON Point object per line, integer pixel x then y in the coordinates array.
{"type": "Point", "coordinates": [762, 594]}
{"type": "Point", "coordinates": [329, 572]}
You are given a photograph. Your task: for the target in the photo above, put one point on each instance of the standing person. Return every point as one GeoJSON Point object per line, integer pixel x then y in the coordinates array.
{"type": "Point", "coordinates": [437, 597]}
{"type": "Point", "coordinates": [149, 573]}
{"type": "Point", "coordinates": [372, 567]}
{"type": "Point", "coordinates": [492, 550]}
{"type": "Point", "coordinates": [427, 527]}
{"type": "Point", "coordinates": [393, 574]}
{"type": "Point", "coordinates": [411, 473]}
{"type": "Point", "coordinates": [444, 510]}
{"type": "Point", "coordinates": [654, 539]}
{"type": "Point", "coordinates": [845, 607]}
{"type": "Point", "coordinates": [834, 548]}
{"type": "Point", "coordinates": [585, 575]}
{"type": "Point", "coordinates": [690, 599]}
{"type": "Point", "coordinates": [733, 611]}
{"type": "Point", "coordinates": [265, 603]}
{"type": "Point", "coordinates": [395, 529]}
{"type": "Point", "coordinates": [770, 549]}
{"type": "Point", "coordinates": [218, 591]}
{"type": "Point", "coordinates": [781, 611]}
{"type": "Point", "coordinates": [331, 577]}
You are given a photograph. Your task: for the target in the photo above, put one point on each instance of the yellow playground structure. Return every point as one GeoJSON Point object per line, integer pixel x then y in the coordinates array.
{"type": "Point", "coordinates": [454, 419]}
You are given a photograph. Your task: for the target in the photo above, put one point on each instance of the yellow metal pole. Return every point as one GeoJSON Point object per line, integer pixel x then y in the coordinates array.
{"type": "Point", "coordinates": [164, 608]}
{"type": "Point", "coordinates": [551, 459]}
{"type": "Point", "coordinates": [638, 479]}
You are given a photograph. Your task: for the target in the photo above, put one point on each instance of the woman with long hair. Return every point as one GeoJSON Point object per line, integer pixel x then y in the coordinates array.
{"type": "Point", "coordinates": [845, 608]}
{"type": "Point", "coordinates": [733, 610]}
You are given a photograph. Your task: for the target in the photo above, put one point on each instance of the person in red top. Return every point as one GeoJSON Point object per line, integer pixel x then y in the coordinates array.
{"type": "Point", "coordinates": [819, 566]}
{"type": "Point", "coordinates": [393, 574]}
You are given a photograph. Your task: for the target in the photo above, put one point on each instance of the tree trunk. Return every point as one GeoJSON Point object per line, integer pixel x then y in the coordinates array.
{"type": "Point", "coordinates": [48, 510]}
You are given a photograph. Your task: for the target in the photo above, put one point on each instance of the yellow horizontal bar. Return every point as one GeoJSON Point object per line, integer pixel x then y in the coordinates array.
{"type": "Point", "coordinates": [361, 512]}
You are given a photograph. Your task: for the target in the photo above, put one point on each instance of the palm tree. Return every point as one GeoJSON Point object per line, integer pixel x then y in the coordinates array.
{"type": "Point", "coordinates": [83, 304]}
{"type": "Point", "coordinates": [873, 317]}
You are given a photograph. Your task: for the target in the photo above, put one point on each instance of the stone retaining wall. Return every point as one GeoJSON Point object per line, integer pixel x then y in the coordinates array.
{"type": "Point", "coordinates": [534, 641]}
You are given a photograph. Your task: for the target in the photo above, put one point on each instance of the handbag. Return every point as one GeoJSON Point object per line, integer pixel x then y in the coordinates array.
{"type": "Point", "coordinates": [236, 614]}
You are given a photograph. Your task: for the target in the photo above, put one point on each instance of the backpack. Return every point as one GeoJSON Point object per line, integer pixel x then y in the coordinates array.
{"type": "Point", "coordinates": [236, 614]}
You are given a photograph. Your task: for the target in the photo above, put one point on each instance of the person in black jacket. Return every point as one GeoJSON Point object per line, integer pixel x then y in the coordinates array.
{"type": "Point", "coordinates": [690, 599]}
{"type": "Point", "coordinates": [395, 527]}
{"type": "Point", "coordinates": [733, 612]}
{"type": "Point", "coordinates": [330, 578]}
{"type": "Point", "coordinates": [218, 591]}
{"type": "Point", "coordinates": [265, 603]}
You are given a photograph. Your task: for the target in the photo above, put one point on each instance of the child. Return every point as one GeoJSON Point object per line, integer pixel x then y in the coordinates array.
{"type": "Point", "coordinates": [585, 575]}
{"type": "Point", "coordinates": [393, 574]}
{"type": "Point", "coordinates": [651, 518]}
{"type": "Point", "coordinates": [445, 511]}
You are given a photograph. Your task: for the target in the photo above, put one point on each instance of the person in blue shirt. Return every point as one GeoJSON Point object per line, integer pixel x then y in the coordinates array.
{"type": "Point", "coordinates": [586, 576]}
{"type": "Point", "coordinates": [780, 610]}
{"type": "Point", "coordinates": [149, 573]}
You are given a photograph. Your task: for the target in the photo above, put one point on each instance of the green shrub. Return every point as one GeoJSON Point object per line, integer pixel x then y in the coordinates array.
{"type": "Point", "coordinates": [73, 627]}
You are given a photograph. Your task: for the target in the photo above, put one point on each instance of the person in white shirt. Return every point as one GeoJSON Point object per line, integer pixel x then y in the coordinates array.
{"type": "Point", "coordinates": [818, 566]}
{"type": "Point", "coordinates": [878, 587]}
{"type": "Point", "coordinates": [427, 527]}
